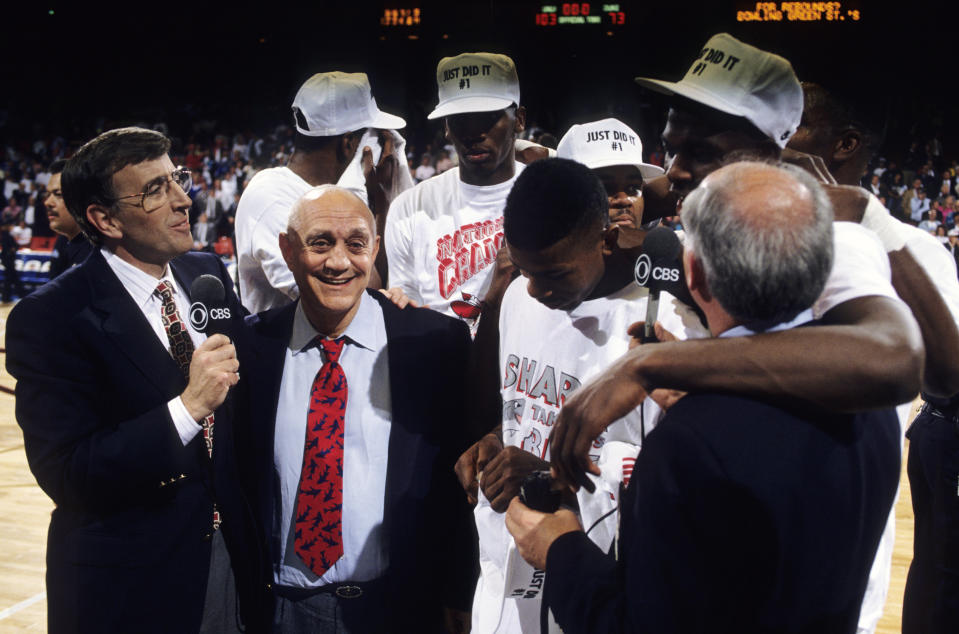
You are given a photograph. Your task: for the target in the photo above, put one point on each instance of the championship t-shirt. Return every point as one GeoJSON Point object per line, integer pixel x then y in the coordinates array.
{"type": "Point", "coordinates": [442, 237]}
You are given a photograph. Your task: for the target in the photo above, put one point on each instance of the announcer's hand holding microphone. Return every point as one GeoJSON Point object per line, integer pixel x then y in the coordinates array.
{"type": "Point", "coordinates": [214, 368]}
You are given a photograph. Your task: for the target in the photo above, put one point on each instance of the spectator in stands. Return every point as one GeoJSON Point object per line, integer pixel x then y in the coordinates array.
{"type": "Point", "coordinates": [919, 206]}
{"type": "Point", "coordinates": [12, 212]}
{"type": "Point", "coordinates": [204, 234]}
{"type": "Point", "coordinates": [22, 234]}
{"type": "Point", "coordinates": [930, 220]}
{"type": "Point", "coordinates": [895, 192]}
{"type": "Point", "coordinates": [425, 169]}
{"type": "Point", "coordinates": [444, 162]}
{"type": "Point", "coordinates": [8, 257]}
{"type": "Point", "coordinates": [71, 247]}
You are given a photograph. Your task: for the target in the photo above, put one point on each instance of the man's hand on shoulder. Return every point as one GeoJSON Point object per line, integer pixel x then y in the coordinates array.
{"type": "Point", "coordinates": [471, 464]}
{"type": "Point", "coordinates": [213, 371]}
{"type": "Point", "coordinates": [399, 298]}
{"type": "Point", "coordinates": [811, 163]}
{"type": "Point", "coordinates": [505, 473]}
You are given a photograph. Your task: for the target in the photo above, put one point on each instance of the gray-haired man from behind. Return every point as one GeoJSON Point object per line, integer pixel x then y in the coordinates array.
{"type": "Point", "coordinates": [770, 512]}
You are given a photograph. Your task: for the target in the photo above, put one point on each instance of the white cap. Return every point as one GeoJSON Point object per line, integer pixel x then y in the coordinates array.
{"type": "Point", "coordinates": [603, 144]}
{"type": "Point", "coordinates": [475, 82]}
{"type": "Point", "coordinates": [741, 80]}
{"type": "Point", "coordinates": [328, 104]}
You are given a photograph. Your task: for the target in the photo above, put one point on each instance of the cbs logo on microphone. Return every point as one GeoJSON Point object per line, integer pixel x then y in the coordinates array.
{"type": "Point", "coordinates": [200, 316]}
{"type": "Point", "coordinates": [644, 270]}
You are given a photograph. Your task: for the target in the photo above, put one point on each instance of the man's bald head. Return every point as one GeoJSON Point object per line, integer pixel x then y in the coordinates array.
{"type": "Point", "coordinates": [328, 197]}
{"type": "Point", "coordinates": [762, 235]}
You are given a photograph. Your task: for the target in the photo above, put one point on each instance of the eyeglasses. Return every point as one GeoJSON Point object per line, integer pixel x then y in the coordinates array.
{"type": "Point", "coordinates": [157, 193]}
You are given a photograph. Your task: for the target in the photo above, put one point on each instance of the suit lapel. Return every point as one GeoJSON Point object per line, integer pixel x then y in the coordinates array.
{"type": "Point", "coordinates": [123, 323]}
{"type": "Point", "coordinates": [262, 370]}
{"type": "Point", "coordinates": [404, 439]}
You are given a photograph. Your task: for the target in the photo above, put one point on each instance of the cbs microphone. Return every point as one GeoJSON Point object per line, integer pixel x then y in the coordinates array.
{"type": "Point", "coordinates": [657, 269]}
{"type": "Point", "coordinates": [209, 312]}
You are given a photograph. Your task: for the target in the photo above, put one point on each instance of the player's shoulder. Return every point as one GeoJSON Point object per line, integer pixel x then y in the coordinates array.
{"type": "Point", "coordinates": [427, 196]}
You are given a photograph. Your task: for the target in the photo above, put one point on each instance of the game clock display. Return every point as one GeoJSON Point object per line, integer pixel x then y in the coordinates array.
{"type": "Point", "coordinates": [574, 13]}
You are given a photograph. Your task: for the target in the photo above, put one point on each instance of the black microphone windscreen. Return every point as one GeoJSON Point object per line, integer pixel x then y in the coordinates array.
{"type": "Point", "coordinates": [209, 313]}
{"type": "Point", "coordinates": [661, 244]}
{"type": "Point", "coordinates": [208, 289]}
{"type": "Point", "coordinates": [658, 266]}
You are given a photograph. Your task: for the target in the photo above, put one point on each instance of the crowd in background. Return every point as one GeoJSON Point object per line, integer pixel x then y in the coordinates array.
{"type": "Point", "coordinates": [919, 185]}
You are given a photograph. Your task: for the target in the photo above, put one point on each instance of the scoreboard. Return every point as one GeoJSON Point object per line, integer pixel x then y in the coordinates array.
{"type": "Point", "coordinates": [580, 13]}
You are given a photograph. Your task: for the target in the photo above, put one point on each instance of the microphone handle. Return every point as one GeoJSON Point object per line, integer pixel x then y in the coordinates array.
{"type": "Point", "coordinates": [652, 312]}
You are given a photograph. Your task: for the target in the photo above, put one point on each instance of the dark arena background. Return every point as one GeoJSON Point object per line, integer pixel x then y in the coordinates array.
{"type": "Point", "coordinates": [73, 68]}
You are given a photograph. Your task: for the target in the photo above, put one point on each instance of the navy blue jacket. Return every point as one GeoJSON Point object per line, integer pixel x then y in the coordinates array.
{"type": "Point", "coordinates": [740, 517]}
{"type": "Point", "coordinates": [129, 542]}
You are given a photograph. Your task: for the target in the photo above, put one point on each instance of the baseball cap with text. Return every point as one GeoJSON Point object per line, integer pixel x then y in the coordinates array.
{"type": "Point", "coordinates": [605, 143]}
{"type": "Point", "coordinates": [475, 82]}
{"type": "Point", "coordinates": [328, 104]}
{"type": "Point", "coordinates": [741, 80]}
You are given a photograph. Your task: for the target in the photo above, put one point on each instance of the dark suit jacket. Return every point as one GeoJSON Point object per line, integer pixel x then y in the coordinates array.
{"type": "Point", "coordinates": [426, 519]}
{"type": "Point", "coordinates": [129, 541]}
{"type": "Point", "coordinates": [740, 517]}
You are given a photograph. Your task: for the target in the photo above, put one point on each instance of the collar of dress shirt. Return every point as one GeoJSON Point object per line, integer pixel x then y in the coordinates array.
{"type": "Point", "coordinates": [798, 320]}
{"type": "Point", "coordinates": [361, 331]}
{"type": "Point", "coordinates": [140, 285]}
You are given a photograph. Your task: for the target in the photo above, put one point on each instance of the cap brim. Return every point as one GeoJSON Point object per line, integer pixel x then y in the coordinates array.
{"type": "Point", "coordinates": [690, 91]}
{"type": "Point", "coordinates": [386, 121]}
{"type": "Point", "coordinates": [647, 170]}
{"type": "Point", "coordinates": [469, 104]}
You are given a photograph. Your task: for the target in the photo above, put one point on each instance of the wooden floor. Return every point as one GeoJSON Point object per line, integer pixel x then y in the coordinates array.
{"type": "Point", "coordinates": [25, 513]}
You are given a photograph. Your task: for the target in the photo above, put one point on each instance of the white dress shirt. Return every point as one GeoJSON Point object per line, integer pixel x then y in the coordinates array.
{"type": "Point", "coordinates": [367, 423]}
{"type": "Point", "coordinates": [140, 286]}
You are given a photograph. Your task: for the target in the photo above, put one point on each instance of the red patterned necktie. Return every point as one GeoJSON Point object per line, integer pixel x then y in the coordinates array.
{"type": "Point", "coordinates": [318, 537]}
{"type": "Point", "coordinates": [181, 347]}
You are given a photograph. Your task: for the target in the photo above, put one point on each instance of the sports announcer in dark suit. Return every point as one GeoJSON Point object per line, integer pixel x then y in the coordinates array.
{"type": "Point", "coordinates": [359, 415]}
{"type": "Point", "coordinates": [742, 515]}
{"type": "Point", "coordinates": [115, 407]}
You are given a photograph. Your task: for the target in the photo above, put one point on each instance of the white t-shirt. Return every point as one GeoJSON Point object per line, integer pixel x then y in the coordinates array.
{"type": "Point", "coordinates": [860, 268]}
{"type": "Point", "coordinates": [265, 280]}
{"type": "Point", "coordinates": [441, 242]}
{"type": "Point", "coordinates": [545, 355]}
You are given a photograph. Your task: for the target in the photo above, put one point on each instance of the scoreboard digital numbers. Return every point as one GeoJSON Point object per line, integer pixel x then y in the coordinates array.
{"type": "Point", "coordinates": [401, 17]}
{"type": "Point", "coordinates": [799, 12]}
{"type": "Point", "coordinates": [580, 13]}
